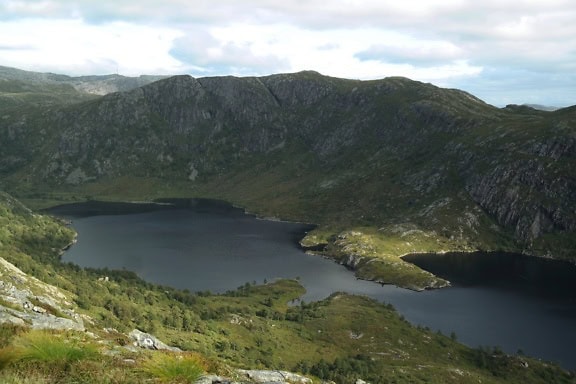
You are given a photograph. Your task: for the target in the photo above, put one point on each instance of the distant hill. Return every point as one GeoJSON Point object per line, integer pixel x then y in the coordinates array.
{"type": "Point", "coordinates": [542, 107]}
{"type": "Point", "coordinates": [421, 167]}
{"type": "Point", "coordinates": [96, 85]}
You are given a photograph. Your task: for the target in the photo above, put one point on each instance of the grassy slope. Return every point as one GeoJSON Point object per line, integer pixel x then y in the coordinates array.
{"type": "Point", "coordinates": [342, 338]}
{"type": "Point", "coordinates": [15, 94]}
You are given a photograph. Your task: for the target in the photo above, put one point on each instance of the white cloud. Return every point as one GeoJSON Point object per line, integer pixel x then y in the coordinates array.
{"type": "Point", "coordinates": [204, 53]}
{"type": "Point", "coordinates": [302, 49]}
{"type": "Point", "coordinates": [417, 52]}
{"type": "Point", "coordinates": [71, 46]}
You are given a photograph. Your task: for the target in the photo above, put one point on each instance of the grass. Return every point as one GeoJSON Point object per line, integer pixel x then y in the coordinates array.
{"type": "Point", "coordinates": [24, 378]}
{"type": "Point", "coordinates": [45, 355]}
{"type": "Point", "coordinates": [7, 357]}
{"type": "Point", "coordinates": [173, 368]}
{"type": "Point", "coordinates": [38, 356]}
{"type": "Point", "coordinates": [45, 347]}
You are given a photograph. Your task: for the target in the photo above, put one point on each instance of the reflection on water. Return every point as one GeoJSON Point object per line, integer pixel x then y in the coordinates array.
{"type": "Point", "coordinates": [216, 247]}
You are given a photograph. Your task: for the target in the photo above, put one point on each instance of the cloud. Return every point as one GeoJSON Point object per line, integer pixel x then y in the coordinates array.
{"type": "Point", "coordinates": [455, 42]}
{"type": "Point", "coordinates": [416, 52]}
{"type": "Point", "coordinates": [333, 52]}
{"type": "Point", "coordinates": [16, 47]}
{"type": "Point", "coordinates": [505, 85]}
{"type": "Point", "coordinates": [205, 54]}
{"type": "Point", "coordinates": [72, 47]}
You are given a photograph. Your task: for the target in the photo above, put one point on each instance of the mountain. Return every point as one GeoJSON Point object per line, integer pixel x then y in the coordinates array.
{"type": "Point", "coordinates": [540, 107]}
{"type": "Point", "coordinates": [403, 165]}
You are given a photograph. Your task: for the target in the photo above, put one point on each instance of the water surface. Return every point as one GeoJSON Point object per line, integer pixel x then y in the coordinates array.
{"type": "Point", "coordinates": [212, 246]}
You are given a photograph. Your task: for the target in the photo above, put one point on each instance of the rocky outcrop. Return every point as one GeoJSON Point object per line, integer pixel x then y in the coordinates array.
{"type": "Point", "coordinates": [147, 341]}
{"type": "Point", "coordinates": [257, 376]}
{"type": "Point", "coordinates": [528, 185]}
{"type": "Point", "coordinates": [29, 302]}
{"type": "Point", "coordinates": [280, 377]}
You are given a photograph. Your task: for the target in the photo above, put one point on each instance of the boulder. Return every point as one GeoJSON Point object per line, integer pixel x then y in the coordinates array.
{"type": "Point", "coordinates": [147, 341]}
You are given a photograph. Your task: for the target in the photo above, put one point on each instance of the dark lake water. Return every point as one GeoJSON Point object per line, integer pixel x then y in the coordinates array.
{"type": "Point", "coordinates": [504, 300]}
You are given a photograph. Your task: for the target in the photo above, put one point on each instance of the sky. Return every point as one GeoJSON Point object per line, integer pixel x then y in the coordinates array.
{"type": "Point", "coordinates": [502, 51]}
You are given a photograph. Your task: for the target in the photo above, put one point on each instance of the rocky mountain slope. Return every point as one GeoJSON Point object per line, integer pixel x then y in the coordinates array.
{"type": "Point", "coordinates": [429, 169]}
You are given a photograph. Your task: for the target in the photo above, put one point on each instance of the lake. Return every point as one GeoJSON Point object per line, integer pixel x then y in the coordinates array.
{"type": "Point", "coordinates": [511, 301]}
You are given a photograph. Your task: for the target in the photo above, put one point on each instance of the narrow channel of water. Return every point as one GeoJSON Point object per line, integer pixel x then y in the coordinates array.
{"type": "Point", "coordinates": [212, 246]}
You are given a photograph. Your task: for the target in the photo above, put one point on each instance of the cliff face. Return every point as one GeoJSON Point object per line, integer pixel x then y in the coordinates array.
{"type": "Point", "coordinates": [380, 153]}
{"type": "Point", "coordinates": [203, 119]}
{"type": "Point", "coordinates": [527, 181]}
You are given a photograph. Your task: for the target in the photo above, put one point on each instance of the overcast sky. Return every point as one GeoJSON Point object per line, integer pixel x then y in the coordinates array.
{"type": "Point", "coordinates": [503, 51]}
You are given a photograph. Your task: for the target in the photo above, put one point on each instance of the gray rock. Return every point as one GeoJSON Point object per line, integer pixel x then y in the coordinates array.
{"type": "Point", "coordinates": [38, 309]}
{"type": "Point", "coordinates": [263, 376]}
{"type": "Point", "coordinates": [6, 317]}
{"type": "Point", "coordinates": [214, 379]}
{"type": "Point", "coordinates": [48, 321]}
{"type": "Point", "coordinates": [147, 341]}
